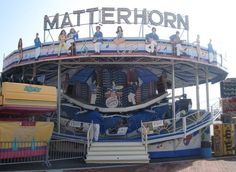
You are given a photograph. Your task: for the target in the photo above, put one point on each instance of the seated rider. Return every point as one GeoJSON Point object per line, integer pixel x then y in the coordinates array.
{"type": "Point", "coordinates": [122, 123]}
{"type": "Point", "coordinates": [151, 41]}
{"type": "Point", "coordinates": [119, 38]}
{"type": "Point", "coordinates": [176, 44]}
{"type": "Point", "coordinates": [72, 36]}
{"type": "Point", "coordinates": [98, 40]}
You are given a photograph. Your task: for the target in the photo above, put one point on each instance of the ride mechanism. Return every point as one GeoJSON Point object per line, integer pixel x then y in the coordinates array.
{"type": "Point", "coordinates": [133, 89]}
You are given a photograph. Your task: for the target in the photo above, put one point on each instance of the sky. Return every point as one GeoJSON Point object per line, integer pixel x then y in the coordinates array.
{"type": "Point", "coordinates": [211, 19]}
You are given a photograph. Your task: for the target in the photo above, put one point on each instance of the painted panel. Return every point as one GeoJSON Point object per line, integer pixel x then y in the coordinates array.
{"type": "Point", "coordinates": [218, 140]}
{"type": "Point", "coordinates": [228, 130]}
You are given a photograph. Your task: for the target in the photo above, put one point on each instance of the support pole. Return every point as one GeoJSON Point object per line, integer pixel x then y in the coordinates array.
{"type": "Point", "coordinates": [34, 70]}
{"type": "Point", "coordinates": [207, 91]}
{"type": "Point", "coordinates": [44, 36]}
{"type": "Point", "coordinates": [183, 91]}
{"type": "Point", "coordinates": [59, 97]}
{"type": "Point", "coordinates": [23, 70]}
{"type": "Point", "coordinates": [142, 29]}
{"type": "Point", "coordinates": [197, 87]}
{"type": "Point", "coordinates": [173, 101]}
{"type": "Point", "coordinates": [173, 95]}
{"type": "Point", "coordinates": [90, 31]}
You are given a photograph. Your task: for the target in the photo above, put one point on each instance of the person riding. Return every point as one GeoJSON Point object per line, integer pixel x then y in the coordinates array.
{"type": "Point", "coordinates": [151, 41]}
{"type": "Point", "coordinates": [98, 40]}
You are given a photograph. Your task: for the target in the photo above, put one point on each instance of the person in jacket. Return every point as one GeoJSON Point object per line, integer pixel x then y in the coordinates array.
{"type": "Point", "coordinates": [151, 41]}
{"type": "Point", "coordinates": [98, 40]}
{"type": "Point", "coordinates": [96, 119]}
{"type": "Point", "coordinates": [37, 45]}
{"type": "Point", "coordinates": [176, 44]}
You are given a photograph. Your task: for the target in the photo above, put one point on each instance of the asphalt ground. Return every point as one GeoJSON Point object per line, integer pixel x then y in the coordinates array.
{"type": "Point", "coordinates": [218, 164]}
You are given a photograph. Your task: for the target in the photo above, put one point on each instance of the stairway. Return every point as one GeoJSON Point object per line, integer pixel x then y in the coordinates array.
{"type": "Point", "coordinates": [117, 152]}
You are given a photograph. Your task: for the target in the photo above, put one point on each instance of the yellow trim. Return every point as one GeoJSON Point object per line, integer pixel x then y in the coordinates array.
{"type": "Point", "coordinates": [28, 95]}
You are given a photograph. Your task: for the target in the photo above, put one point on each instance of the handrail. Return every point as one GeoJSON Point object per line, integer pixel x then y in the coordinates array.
{"type": "Point", "coordinates": [184, 126]}
{"type": "Point", "coordinates": [90, 136]}
{"type": "Point", "coordinates": [185, 122]}
{"type": "Point", "coordinates": [215, 110]}
{"type": "Point", "coordinates": [144, 135]}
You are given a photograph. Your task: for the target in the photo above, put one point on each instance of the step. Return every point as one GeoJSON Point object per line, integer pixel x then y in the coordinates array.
{"type": "Point", "coordinates": [121, 158]}
{"type": "Point", "coordinates": [96, 153]}
{"type": "Point", "coordinates": [108, 144]}
{"type": "Point", "coordinates": [118, 162]}
{"type": "Point", "coordinates": [136, 148]}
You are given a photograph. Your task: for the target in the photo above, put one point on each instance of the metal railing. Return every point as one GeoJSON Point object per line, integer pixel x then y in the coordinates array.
{"type": "Point", "coordinates": [40, 151]}
{"type": "Point", "coordinates": [65, 149]}
{"type": "Point", "coordinates": [216, 110]}
{"type": "Point", "coordinates": [182, 123]}
{"type": "Point", "coordinates": [90, 136]}
{"type": "Point", "coordinates": [144, 136]}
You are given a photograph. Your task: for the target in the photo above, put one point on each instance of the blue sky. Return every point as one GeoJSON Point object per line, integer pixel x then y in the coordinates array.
{"type": "Point", "coordinates": [209, 18]}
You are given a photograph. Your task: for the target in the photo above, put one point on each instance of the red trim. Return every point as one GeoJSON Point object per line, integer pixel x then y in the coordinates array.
{"type": "Point", "coordinates": [18, 110]}
{"type": "Point", "coordinates": [23, 153]}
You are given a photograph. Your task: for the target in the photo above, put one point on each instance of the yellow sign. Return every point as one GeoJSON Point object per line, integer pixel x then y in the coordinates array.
{"type": "Point", "coordinates": [19, 132]}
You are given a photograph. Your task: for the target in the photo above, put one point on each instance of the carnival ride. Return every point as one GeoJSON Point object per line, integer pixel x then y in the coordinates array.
{"type": "Point", "coordinates": [123, 86]}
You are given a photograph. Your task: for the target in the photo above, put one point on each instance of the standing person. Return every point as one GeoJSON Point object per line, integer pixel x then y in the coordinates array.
{"type": "Point", "coordinates": [97, 39]}
{"type": "Point", "coordinates": [119, 38]}
{"type": "Point", "coordinates": [97, 120]}
{"type": "Point", "coordinates": [163, 84]}
{"type": "Point", "coordinates": [176, 44]}
{"type": "Point", "coordinates": [198, 48]}
{"type": "Point", "coordinates": [62, 41]}
{"type": "Point", "coordinates": [38, 45]}
{"type": "Point", "coordinates": [151, 41]}
{"type": "Point", "coordinates": [20, 49]}
{"type": "Point", "coordinates": [210, 51]}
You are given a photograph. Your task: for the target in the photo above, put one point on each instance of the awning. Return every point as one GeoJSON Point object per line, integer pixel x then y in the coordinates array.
{"type": "Point", "coordinates": [146, 75]}
{"type": "Point", "coordinates": [83, 75]}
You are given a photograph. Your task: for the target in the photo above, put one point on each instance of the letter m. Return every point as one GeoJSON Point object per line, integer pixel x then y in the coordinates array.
{"type": "Point", "coordinates": [51, 24]}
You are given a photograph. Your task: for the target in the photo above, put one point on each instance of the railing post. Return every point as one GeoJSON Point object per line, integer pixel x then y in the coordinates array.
{"type": "Point", "coordinates": [144, 136]}
{"type": "Point", "coordinates": [47, 162]}
{"type": "Point", "coordinates": [92, 135]}
{"type": "Point", "coordinates": [184, 126]}
{"type": "Point", "coordinates": [146, 141]}
{"type": "Point", "coordinates": [142, 131]}
{"type": "Point", "coordinates": [89, 135]}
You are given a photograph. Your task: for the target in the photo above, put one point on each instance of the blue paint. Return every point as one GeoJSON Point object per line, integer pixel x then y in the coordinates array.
{"type": "Point", "coordinates": [177, 153]}
{"type": "Point", "coordinates": [33, 144]}
{"type": "Point", "coordinates": [206, 153]}
{"type": "Point", "coordinates": [14, 145]}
